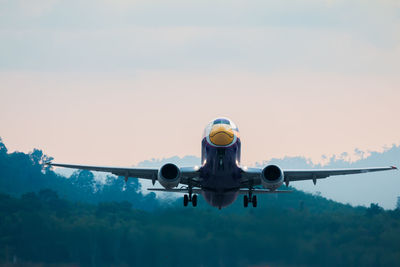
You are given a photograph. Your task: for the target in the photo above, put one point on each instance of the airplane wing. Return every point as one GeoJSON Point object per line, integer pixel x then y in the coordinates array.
{"type": "Point", "coordinates": [252, 175]}
{"type": "Point", "coordinates": [264, 191]}
{"type": "Point", "coordinates": [198, 191]}
{"type": "Point", "coordinates": [176, 190]}
{"type": "Point", "coordinates": [298, 175]}
{"type": "Point", "coordinates": [144, 173]}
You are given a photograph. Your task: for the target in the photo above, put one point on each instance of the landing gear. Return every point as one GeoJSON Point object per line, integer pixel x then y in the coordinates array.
{"type": "Point", "coordinates": [187, 199]}
{"type": "Point", "coordinates": [252, 199]}
{"type": "Point", "coordinates": [194, 200]}
{"type": "Point", "coordinates": [190, 198]}
{"type": "Point", "coordinates": [245, 201]}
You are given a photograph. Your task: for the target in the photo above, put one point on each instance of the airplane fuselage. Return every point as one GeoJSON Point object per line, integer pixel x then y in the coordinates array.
{"type": "Point", "coordinates": [220, 171]}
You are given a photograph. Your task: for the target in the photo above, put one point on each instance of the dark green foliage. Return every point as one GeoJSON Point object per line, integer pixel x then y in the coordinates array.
{"type": "Point", "coordinates": [374, 209]}
{"type": "Point", "coordinates": [42, 228]}
{"type": "Point", "coordinates": [21, 173]}
{"type": "Point", "coordinates": [46, 219]}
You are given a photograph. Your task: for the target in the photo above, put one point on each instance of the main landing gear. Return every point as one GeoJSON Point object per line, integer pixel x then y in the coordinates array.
{"type": "Point", "coordinates": [187, 199]}
{"type": "Point", "coordinates": [252, 199]}
{"type": "Point", "coordinates": [190, 198]}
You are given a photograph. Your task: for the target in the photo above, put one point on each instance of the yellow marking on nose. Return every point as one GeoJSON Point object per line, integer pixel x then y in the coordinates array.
{"type": "Point", "coordinates": [221, 135]}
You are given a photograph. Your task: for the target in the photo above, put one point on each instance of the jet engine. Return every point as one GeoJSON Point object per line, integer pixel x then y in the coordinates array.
{"type": "Point", "coordinates": [169, 175]}
{"type": "Point", "coordinates": [272, 177]}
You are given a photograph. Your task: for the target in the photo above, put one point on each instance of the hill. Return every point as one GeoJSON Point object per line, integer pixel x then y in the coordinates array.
{"type": "Point", "coordinates": [41, 228]}
{"type": "Point", "coordinates": [47, 219]}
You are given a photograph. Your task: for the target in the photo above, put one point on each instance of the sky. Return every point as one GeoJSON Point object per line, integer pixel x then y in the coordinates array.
{"type": "Point", "coordinates": [119, 82]}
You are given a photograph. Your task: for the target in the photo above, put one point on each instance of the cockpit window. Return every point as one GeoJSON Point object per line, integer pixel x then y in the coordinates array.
{"type": "Point", "coordinates": [221, 121]}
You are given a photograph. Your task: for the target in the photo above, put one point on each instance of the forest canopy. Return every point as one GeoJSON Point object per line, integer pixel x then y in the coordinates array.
{"type": "Point", "coordinates": [47, 219]}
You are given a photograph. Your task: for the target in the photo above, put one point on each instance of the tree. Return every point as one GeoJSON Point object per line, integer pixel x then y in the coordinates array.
{"type": "Point", "coordinates": [374, 209]}
{"type": "Point", "coordinates": [3, 148]}
{"type": "Point", "coordinates": [39, 159]}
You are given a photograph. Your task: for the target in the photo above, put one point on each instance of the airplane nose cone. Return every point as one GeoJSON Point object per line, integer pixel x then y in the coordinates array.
{"type": "Point", "coordinates": [221, 135]}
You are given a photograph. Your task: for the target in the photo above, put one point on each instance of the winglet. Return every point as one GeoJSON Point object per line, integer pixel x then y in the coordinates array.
{"type": "Point", "coordinates": [394, 167]}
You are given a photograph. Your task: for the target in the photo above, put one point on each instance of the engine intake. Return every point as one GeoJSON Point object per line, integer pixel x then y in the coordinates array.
{"type": "Point", "coordinates": [169, 175]}
{"type": "Point", "coordinates": [272, 177]}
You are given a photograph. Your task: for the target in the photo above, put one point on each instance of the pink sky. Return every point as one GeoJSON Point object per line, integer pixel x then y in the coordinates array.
{"type": "Point", "coordinates": [118, 82]}
{"type": "Point", "coordinates": [122, 119]}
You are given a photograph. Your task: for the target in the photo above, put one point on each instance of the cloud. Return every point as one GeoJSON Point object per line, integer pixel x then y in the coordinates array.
{"type": "Point", "coordinates": [176, 13]}
{"type": "Point", "coordinates": [258, 49]}
{"type": "Point", "coordinates": [334, 36]}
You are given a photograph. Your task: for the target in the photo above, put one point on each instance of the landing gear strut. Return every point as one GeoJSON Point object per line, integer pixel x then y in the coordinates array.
{"type": "Point", "coordinates": [252, 199]}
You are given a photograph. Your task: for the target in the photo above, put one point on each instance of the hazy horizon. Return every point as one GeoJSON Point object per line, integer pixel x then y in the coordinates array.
{"type": "Point", "coordinates": [362, 189]}
{"type": "Point", "coordinates": [120, 82]}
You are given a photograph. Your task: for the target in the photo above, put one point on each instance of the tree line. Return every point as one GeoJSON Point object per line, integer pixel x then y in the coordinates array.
{"type": "Point", "coordinates": [48, 219]}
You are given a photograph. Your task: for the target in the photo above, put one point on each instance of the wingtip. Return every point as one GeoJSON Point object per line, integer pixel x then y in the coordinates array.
{"type": "Point", "coordinates": [394, 168]}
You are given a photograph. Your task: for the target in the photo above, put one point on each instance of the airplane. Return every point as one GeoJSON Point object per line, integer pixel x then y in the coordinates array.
{"type": "Point", "coordinates": [221, 178]}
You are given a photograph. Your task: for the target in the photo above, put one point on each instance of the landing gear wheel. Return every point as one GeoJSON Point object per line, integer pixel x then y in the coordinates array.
{"type": "Point", "coordinates": [254, 201]}
{"type": "Point", "coordinates": [194, 200]}
{"type": "Point", "coordinates": [245, 201]}
{"type": "Point", "coordinates": [185, 200]}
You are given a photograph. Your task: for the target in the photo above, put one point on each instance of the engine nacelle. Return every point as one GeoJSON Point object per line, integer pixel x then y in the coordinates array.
{"type": "Point", "coordinates": [272, 177]}
{"type": "Point", "coordinates": [169, 175]}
